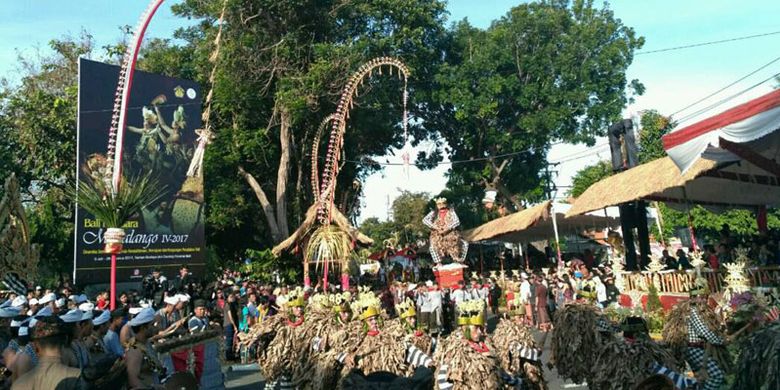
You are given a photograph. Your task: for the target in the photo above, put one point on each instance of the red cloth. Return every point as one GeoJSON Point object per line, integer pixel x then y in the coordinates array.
{"type": "Point", "coordinates": [101, 303]}
{"type": "Point", "coordinates": [180, 360]}
{"type": "Point", "coordinates": [713, 260]}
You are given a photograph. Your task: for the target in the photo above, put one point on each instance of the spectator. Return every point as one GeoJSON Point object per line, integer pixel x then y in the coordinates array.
{"type": "Point", "coordinates": [712, 257]}
{"type": "Point", "coordinates": [436, 302]}
{"type": "Point", "coordinates": [671, 262]}
{"type": "Point", "coordinates": [682, 260]}
{"type": "Point", "coordinates": [542, 316]}
{"type": "Point", "coordinates": [102, 300]}
{"type": "Point", "coordinates": [588, 258]}
{"type": "Point", "coordinates": [495, 296]}
{"type": "Point", "coordinates": [424, 306]}
{"type": "Point", "coordinates": [724, 256]}
{"type": "Point", "coordinates": [230, 325]}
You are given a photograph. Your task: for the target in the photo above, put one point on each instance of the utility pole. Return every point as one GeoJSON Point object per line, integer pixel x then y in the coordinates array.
{"type": "Point", "coordinates": [550, 189]}
{"type": "Point", "coordinates": [389, 210]}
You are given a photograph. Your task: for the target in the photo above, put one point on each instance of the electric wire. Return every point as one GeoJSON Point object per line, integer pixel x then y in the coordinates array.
{"type": "Point", "coordinates": [707, 43]}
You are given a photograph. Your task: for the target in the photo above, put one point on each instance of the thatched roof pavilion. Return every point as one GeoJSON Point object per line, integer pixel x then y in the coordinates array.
{"type": "Point", "coordinates": [707, 182]}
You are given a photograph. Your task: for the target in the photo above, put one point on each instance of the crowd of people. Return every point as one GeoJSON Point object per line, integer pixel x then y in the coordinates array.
{"type": "Point", "coordinates": [54, 336]}
{"type": "Point", "coordinates": [62, 339]}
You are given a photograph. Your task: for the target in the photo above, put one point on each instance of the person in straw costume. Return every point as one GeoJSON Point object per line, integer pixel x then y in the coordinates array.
{"type": "Point", "coordinates": [407, 322]}
{"type": "Point", "coordinates": [378, 349]}
{"type": "Point", "coordinates": [331, 329]}
{"type": "Point", "coordinates": [466, 359]}
{"type": "Point", "coordinates": [623, 362]}
{"type": "Point", "coordinates": [284, 362]}
{"type": "Point", "coordinates": [445, 238]}
{"type": "Point", "coordinates": [516, 348]}
{"type": "Point", "coordinates": [693, 327]}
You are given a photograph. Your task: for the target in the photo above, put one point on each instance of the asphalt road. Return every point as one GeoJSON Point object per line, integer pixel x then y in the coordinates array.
{"type": "Point", "coordinates": [249, 377]}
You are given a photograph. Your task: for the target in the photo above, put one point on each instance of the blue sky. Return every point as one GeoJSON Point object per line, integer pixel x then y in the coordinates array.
{"type": "Point", "coordinates": [673, 79]}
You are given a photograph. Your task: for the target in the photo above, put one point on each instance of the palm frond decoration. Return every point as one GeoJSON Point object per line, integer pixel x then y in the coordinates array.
{"type": "Point", "coordinates": [329, 244]}
{"type": "Point", "coordinates": [132, 196]}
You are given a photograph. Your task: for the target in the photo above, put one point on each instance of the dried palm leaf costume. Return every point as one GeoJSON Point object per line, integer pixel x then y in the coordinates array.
{"type": "Point", "coordinates": [465, 362]}
{"type": "Point", "coordinates": [331, 316]}
{"type": "Point", "coordinates": [625, 362]}
{"type": "Point", "coordinates": [445, 238]}
{"type": "Point", "coordinates": [517, 351]}
{"type": "Point", "coordinates": [758, 366]}
{"type": "Point", "coordinates": [285, 361]}
{"type": "Point", "coordinates": [694, 328]}
{"type": "Point", "coordinates": [413, 333]}
{"type": "Point", "coordinates": [579, 332]}
{"type": "Point", "coordinates": [377, 350]}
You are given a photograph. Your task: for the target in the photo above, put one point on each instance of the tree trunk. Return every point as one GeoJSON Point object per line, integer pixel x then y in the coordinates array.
{"type": "Point", "coordinates": [268, 210]}
{"type": "Point", "coordinates": [282, 174]}
{"type": "Point", "coordinates": [508, 195]}
{"type": "Point", "coordinates": [300, 196]}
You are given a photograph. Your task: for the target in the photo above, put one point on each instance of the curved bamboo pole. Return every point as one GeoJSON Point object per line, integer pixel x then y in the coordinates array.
{"type": "Point", "coordinates": [315, 154]}
{"type": "Point", "coordinates": [339, 123]}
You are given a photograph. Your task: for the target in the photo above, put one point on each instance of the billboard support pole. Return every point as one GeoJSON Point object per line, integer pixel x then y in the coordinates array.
{"type": "Point", "coordinates": [113, 281]}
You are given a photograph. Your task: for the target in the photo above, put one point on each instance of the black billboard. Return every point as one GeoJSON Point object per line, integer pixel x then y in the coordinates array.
{"type": "Point", "coordinates": [160, 138]}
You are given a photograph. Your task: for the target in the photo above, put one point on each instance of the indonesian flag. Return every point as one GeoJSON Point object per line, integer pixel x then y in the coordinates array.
{"type": "Point", "coordinates": [744, 123]}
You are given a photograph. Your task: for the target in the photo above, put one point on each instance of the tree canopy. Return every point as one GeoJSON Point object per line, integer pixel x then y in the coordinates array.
{"type": "Point", "coordinates": [547, 71]}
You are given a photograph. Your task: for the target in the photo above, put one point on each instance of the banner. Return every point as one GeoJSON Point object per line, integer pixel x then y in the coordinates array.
{"type": "Point", "coordinates": [160, 138]}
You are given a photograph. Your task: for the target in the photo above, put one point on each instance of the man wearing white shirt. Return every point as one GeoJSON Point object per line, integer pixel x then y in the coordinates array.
{"type": "Point", "coordinates": [457, 296]}
{"type": "Point", "coordinates": [525, 297]}
{"type": "Point", "coordinates": [601, 292]}
{"type": "Point", "coordinates": [424, 305]}
{"type": "Point", "coordinates": [435, 298]}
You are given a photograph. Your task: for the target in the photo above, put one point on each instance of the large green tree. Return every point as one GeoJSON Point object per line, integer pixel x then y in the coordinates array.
{"type": "Point", "coordinates": [586, 177]}
{"type": "Point", "coordinates": [547, 71]}
{"type": "Point", "coordinates": [38, 143]}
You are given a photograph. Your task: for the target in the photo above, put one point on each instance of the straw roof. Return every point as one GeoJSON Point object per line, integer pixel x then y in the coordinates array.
{"type": "Point", "coordinates": [706, 183]}
{"type": "Point", "coordinates": [536, 223]}
{"type": "Point", "coordinates": [310, 224]}
{"type": "Point", "coordinates": [511, 223]}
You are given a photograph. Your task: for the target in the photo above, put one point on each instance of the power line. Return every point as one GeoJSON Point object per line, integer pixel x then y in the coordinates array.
{"type": "Point", "coordinates": [590, 152]}
{"type": "Point", "coordinates": [718, 103]}
{"type": "Point", "coordinates": [708, 43]}
{"type": "Point", "coordinates": [727, 86]}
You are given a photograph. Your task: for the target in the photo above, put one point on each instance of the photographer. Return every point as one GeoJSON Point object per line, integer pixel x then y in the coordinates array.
{"type": "Point", "coordinates": [155, 285]}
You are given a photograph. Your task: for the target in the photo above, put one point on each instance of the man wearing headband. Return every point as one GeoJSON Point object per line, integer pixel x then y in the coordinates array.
{"type": "Point", "coordinates": [79, 325]}
{"type": "Point", "coordinates": [144, 370]}
{"type": "Point", "coordinates": [167, 319]}
{"type": "Point", "coordinates": [199, 322]}
{"type": "Point", "coordinates": [17, 343]}
{"type": "Point", "coordinates": [49, 337]}
{"type": "Point", "coordinates": [702, 332]}
{"type": "Point", "coordinates": [111, 339]}
{"type": "Point", "coordinates": [94, 341]}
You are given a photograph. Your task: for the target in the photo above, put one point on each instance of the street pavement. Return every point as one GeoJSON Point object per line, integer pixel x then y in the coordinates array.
{"type": "Point", "coordinates": [248, 377]}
